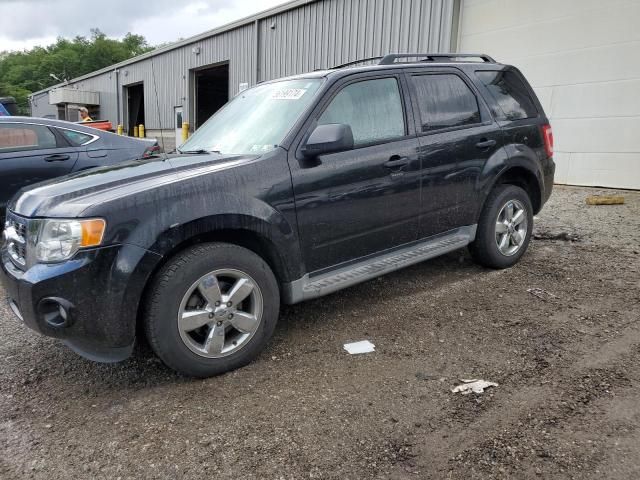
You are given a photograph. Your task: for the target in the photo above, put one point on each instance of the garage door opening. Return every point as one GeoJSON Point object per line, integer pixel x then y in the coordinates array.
{"type": "Point", "coordinates": [135, 106]}
{"type": "Point", "coordinates": [211, 91]}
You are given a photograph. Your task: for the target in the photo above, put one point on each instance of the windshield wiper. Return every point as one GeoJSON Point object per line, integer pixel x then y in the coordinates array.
{"type": "Point", "coordinates": [199, 151]}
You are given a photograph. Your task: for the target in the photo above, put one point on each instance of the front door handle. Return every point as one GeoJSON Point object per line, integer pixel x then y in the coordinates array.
{"type": "Point", "coordinates": [397, 163]}
{"type": "Point", "coordinates": [486, 144]}
{"type": "Point", "coordinates": [57, 158]}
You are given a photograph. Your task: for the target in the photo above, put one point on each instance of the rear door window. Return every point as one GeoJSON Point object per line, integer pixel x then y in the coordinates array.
{"type": "Point", "coordinates": [445, 101]}
{"type": "Point", "coordinates": [372, 108]}
{"type": "Point", "coordinates": [510, 93]}
{"type": "Point", "coordinates": [19, 137]}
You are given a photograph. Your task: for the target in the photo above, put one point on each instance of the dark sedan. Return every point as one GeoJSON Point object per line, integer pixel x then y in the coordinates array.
{"type": "Point", "coordinates": [37, 149]}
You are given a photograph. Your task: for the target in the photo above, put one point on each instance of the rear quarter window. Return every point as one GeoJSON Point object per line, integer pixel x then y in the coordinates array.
{"type": "Point", "coordinates": [511, 94]}
{"type": "Point", "coordinates": [76, 138]}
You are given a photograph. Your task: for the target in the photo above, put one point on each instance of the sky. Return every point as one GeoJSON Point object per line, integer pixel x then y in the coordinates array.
{"type": "Point", "coordinates": [28, 23]}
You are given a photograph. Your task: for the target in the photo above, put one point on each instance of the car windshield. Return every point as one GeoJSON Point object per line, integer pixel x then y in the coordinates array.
{"type": "Point", "coordinates": [256, 121]}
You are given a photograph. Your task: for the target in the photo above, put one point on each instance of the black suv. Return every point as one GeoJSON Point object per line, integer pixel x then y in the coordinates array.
{"type": "Point", "coordinates": [297, 188]}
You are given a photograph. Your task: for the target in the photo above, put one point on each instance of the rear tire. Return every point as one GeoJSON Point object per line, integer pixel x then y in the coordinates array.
{"type": "Point", "coordinates": [211, 309]}
{"type": "Point", "coordinates": [505, 227]}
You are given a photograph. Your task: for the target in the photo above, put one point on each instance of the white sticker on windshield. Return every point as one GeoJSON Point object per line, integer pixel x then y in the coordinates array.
{"type": "Point", "coordinates": [288, 94]}
{"type": "Point", "coordinates": [261, 148]}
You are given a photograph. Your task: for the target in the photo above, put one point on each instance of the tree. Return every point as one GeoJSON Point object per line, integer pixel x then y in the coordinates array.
{"type": "Point", "coordinates": [22, 73]}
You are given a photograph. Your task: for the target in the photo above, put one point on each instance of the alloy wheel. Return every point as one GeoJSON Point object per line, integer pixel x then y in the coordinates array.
{"type": "Point", "coordinates": [220, 313]}
{"type": "Point", "coordinates": [511, 228]}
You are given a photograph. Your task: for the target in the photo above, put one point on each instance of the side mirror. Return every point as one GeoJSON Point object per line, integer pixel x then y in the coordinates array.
{"type": "Point", "coordinates": [331, 138]}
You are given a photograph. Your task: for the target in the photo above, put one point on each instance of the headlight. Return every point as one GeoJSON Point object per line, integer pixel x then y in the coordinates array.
{"type": "Point", "coordinates": [59, 240]}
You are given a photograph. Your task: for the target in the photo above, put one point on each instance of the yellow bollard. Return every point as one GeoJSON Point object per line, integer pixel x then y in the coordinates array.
{"type": "Point", "coordinates": [141, 130]}
{"type": "Point", "coordinates": [185, 131]}
{"type": "Point", "coordinates": [135, 131]}
{"type": "Point", "coordinates": [120, 129]}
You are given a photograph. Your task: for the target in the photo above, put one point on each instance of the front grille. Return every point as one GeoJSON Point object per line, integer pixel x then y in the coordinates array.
{"type": "Point", "coordinates": [16, 238]}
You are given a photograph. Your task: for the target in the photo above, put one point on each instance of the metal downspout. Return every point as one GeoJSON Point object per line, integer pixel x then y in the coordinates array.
{"type": "Point", "coordinates": [117, 75]}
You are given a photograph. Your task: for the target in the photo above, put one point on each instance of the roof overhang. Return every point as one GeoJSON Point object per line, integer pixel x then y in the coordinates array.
{"type": "Point", "coordinates": [71, 95]}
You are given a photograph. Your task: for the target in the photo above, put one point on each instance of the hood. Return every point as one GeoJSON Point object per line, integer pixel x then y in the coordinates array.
{"type": "Point", "coordinates": [69, 196]}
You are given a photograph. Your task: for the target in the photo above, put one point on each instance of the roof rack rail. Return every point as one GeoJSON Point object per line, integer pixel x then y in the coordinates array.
{"type": "Point", "coordinates": [355, 62]}
{"type": "Point", "coordinates": [433, 57]}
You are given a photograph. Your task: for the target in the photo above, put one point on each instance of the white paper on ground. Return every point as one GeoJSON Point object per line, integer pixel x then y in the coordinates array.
{"type": "Point", "coordinates": [365, 346]}
{"type": "Point", "coordinates": [475, 386]}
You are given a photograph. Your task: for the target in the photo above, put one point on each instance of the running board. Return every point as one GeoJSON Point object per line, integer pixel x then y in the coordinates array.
{"type": "Point", "coordinates": [316, 286]}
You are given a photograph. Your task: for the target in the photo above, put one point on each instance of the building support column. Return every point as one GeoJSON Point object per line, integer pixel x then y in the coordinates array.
{"type": "Point", "coordinates": [256, 52]}
{"type": "Point", "coordinates": [456, 24]}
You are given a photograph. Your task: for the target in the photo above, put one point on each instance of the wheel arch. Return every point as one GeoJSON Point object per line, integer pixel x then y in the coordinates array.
{"type": "Point", "coordinates": [216, 229]}
{"type": "Point", "coordinates": [524, 178]}
{"type": "Point", "coordinates": [251, 240]}
{"type": "Point", "coordinates": [527, 180]}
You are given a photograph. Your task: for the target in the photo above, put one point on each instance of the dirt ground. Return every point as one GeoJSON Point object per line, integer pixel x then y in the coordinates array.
{"type": "Point", "coordinates": [566, 359]}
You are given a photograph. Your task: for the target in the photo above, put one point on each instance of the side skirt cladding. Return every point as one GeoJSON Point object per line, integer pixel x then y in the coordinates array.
{"type": "Point", "coordinates": [314, 286]}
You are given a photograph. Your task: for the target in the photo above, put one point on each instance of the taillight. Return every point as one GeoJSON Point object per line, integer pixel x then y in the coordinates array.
{"type": "Point", "coordinates": [547, 136]}
{"type": "Point", "coordinates": [151, 151]}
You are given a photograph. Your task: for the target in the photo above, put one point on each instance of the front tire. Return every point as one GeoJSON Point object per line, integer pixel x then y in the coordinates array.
{"type": "Point", "coordinates": [211, 309]}
{"type": "Point", "coordinates": [505, 227]}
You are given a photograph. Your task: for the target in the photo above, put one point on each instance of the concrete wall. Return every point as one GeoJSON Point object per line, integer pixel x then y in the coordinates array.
{"type": "Point", "coordinates": [583, 59]}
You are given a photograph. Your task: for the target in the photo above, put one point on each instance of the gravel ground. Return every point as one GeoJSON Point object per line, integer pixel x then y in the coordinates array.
{"type": "Point", "coordinates": [566, 361]}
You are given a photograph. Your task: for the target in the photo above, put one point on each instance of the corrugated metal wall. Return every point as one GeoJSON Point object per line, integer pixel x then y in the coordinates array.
{"type": "Point", "coordinates": [315, 35]}
{"type": "Point", "coordinates": [172, 76]}
{"type": "Point", "coordinates": [325, 34]}
{"type": "Point", "coordinates": [173, 69]}
{"type": "Point", "coordinates": [105, 85]}
{"type": "Point", "coordinates": [40, 106]}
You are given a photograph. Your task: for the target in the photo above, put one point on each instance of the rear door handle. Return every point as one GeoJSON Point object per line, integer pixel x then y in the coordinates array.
{"type": "Point", "coordinates": [397, 163]}
{"type": "Point", "coordinates": [57, 158]}
{"type": "Point", "coordinates": [486, 144]}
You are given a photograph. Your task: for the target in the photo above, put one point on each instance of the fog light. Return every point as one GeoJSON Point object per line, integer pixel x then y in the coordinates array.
{"type": "Point", "coordinates": [56, 312]}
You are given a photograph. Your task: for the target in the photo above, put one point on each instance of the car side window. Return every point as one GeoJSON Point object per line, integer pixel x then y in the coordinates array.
{"type": "Point", "coordinates": [19, 137]}
{"type": "Point", "coordinates": [76, 138]}
{"type": "Point", "coordinates": [510, 93]}
{"type": "Point", "coordinates": [372, 108]}
{"type": "Point", "coordinates": [445, 101]}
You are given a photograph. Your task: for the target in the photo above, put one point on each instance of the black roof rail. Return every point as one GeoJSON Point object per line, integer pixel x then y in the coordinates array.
{"type": "Point", "coordinates": [433, 57]}
{"type": "Point", "coordinates": [355, 62]}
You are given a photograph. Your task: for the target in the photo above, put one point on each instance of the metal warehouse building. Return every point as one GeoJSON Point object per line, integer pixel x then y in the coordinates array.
{"type": "Point", "coordinates": [581, 56]}
{"type": "Point", "coordinates": [197, 76]}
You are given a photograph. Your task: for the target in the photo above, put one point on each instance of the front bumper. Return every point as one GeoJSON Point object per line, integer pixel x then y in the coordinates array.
{"type": "Point", "coordinates": [98, 290]}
